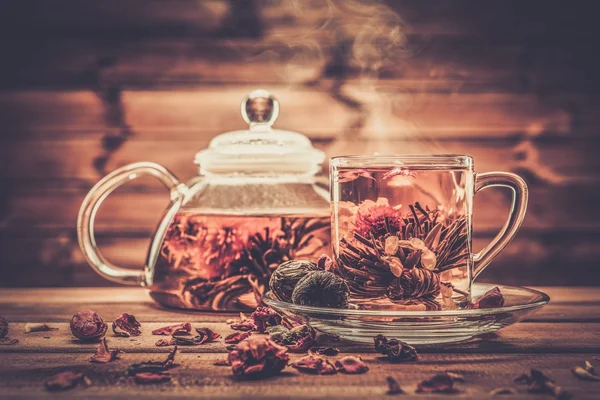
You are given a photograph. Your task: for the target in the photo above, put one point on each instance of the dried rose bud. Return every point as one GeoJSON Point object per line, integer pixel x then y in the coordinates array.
{"type": "Point", "coordinates": [439, 383]}
{"type": "Point", "coordinates": [491, 299]}
{"type": "Point", "coordinates": [351, 365]}
{"type": "Point", "coordinates": [88, 326]}
{"type": "Point", "coordinates": [178, 329]}
{"type": "Point", "coordinates": [152, 377]}
{"type": "Point", "coordinates": [395, 349]}
{"type": "Point", "coordinates": [126, 325]}
{"type": "Point", "coordinates": [314, 365]}
{"type": "Point", "coordinates": [258, 357]}
{"type": "Point", "coordinates": [393, 386]}
{"type": "Point", "coordinates": [103, 354]}
{"type": "Point", "coordinates": [263, 317]}
{"type": "Point", "coordinates": [3, 327]}
{"type": "Point", "coordinates": [64, 380]}
{"type": "Point", "coordinates": [237, 337]}
{"type": "Point", "coordinates": [321, 289]}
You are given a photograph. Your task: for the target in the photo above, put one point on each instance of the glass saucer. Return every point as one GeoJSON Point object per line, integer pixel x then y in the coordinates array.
{"type": "Point", "coordinates": [417, 327]}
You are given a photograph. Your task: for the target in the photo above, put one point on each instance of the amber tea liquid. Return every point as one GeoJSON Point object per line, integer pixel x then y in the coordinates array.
{"type": "Point", "coordinates": [402, 235]}
{"type": "Point", "coordinates": [224, 262]}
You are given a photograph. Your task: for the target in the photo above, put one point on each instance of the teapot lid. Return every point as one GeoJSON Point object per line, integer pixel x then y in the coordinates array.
{"type": "Point", "coordinates": [260, 148]}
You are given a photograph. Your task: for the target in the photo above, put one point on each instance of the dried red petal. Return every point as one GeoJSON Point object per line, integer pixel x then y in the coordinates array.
{"type": "Point", "coordinates": [165, 342]}
{"type": "Point", "coordinates": [3, 327]}
{"type": "Point", "coordinates": [126, 325]}
{"type": "Point", "coordinates": [351, 365]}
{"type": "Point", "coordinates": [64, 380]}
{"type": "Point", "coordinates": [263, 317]}
{"type": "Point", "coordinates": [8, 341]}
{"type": "Point", "coordinates": [324, 351]}
{"type": "Point", "coordinates": [314, 365]}
{"type": "Point", "coordinates": [440, 383]}
{"type": "Point", "coordinates": [221, 362]}
{"type": "Point", "coordinates": [103, 354]}
{"type": "Point", "coordinates": [37, 327]}
{"type": "Point", "coordinates": [325, 263]}
{"type": "Point", "coordinates": [237, 337]}
{"type": "Point", "coordinates": [152, 377]}
{"type": "Point", "coordinates": [393, 386]}
{"type": "Point", "coordinates": [153, 366]}
{"type": "Point", "coordinates": [243, 325]}
{"type": "Point", "coordinates": [88, 326]}
{"type": "Point", "coordinates": [538, 382]}
{"type": "Point", "coordinates": [493, 298]}
{"type": "Point", "coordinates": [178, 329]}
{"type": "Point", "coordinates": [207, 335]}
{"type": "Point", "coordinates": [258, 357]}
{"type": "Point", "coordinates": [395, 349]}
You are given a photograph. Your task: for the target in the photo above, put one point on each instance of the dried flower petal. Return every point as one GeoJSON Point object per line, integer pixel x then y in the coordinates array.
{"type": "Point", "coordinates": [440, 383]}
{"type": "Point", "coordinates": [126, 325]}
{"type": "Point", "coordinates": [103, 354]}
{"type": "Point", "coordinates": [152, 377]}
{"type": "Point", "coordinates": [178, 329]}
{"type": "Point", "coordinates": [351, 365]}
{"type": "Point", "coordinates": [297, 340]}
{"type": "Point", "coordinates": [36, 327]}
{"type": "Point", "coordinates": [88, 326]}
{"type": "Point", "coordinates": [237, 337]}
{"type": "Point", "coordinates": [586, 373]}
{"type": "Point", "coordinates": [393, 386]}
{"type": "Point", "coordinates": [3, 327]}
{"type": "Point", "coordinates": [263, 317]}
{"type": "Point", "coordinates": [314, 365]}
{"type": "Point", "coordinates": [503, 391]}
{"type": "Point", "coordinates": [538, 382]}
{"type": "Point", "coordinates": [325, 263]}
{"type": "Point", "coordinates": [394, 264]}
{"type": "Point", "coordinates": [207, 335]}
{"type": "Point", "coordinates": [324, 351]}
{"type": "Point", "coordinates": [391, 245]}
{"type": "Point", "coordinates": [153, 366]}
{"type": "Point", "coordinates": [64, 380]}
{"type": "Point", "coordinates": [493, 298]}
{"type": "Point", "coordinates": [258, 356]}
{"type": "Point", "coordinates": [395, 349]}
{"type": "Point", "coordinates": [221, 362]}
{"type": "Point", "coordinates": [349, 176]}
{"type": "Point", "coordinates": [243, 325]}
{"type": "Point", "coordinates": [8, 341]}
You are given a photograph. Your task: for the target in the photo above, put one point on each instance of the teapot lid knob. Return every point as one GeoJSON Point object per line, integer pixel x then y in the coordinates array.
{"type": "Point", "coordinates": [260, 108]}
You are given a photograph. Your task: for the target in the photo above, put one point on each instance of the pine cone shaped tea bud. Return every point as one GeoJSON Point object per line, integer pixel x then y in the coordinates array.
{"type": "Point", "coordinates": [287, 275]}
{"type": "Point", "coordinates": [321, 289]}
{"type": "Point", "coordinates": [88, 326]}
{"type": "Point", "coordinates": [413, 284]}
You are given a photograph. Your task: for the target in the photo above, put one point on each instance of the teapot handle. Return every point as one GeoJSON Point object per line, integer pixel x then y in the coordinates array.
{"type": "Point", "coordinates": [93, 200]}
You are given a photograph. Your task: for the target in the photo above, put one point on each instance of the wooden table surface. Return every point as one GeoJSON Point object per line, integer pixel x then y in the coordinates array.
{"type": "Point", "coordinates": [557, 338]}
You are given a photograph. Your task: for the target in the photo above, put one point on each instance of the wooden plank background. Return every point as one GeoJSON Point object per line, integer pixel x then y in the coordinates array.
{"type": "Point", "coordinates": [86, 87]}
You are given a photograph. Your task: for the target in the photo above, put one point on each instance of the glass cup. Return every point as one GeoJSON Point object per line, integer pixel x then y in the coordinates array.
{"type": "Point", "coordinates": [401, 226]}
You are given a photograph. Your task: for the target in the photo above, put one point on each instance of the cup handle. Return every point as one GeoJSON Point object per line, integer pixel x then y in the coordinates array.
{"type": "Point", "coordinates": [516, 214]}
{"type": "Point", "coordinates": [93, 200]}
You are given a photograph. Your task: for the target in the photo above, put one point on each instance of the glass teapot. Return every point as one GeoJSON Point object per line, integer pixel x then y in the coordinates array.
{"type": "Point", "coordinates": [253, 205]}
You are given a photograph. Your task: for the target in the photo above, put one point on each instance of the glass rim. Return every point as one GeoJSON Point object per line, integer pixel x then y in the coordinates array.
{"type": "Point", "coordinates": [407, 160]}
